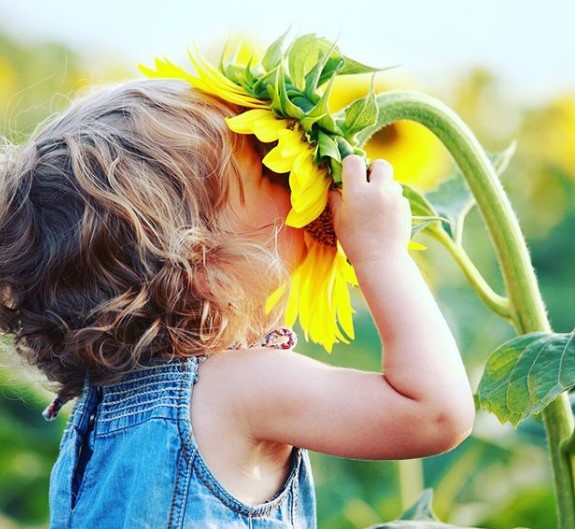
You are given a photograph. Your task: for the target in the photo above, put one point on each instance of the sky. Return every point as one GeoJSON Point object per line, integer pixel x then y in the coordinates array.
{"type": "Point", "coordinates": [529, 44]}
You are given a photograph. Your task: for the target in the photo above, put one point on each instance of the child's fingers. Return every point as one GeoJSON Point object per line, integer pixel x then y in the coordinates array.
{"type": "Point", "coordinates": [354, 171]}
{"type": "Point", "coordinates": [380, 171]}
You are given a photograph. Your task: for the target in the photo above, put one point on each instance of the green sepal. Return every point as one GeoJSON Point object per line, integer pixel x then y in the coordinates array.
{"type": "Point", "coordinates": [318, 113]}
{"type": "Point", "coordinates": [302, 56]}
{"type": "Point", "coordinates": [309, 50]}
{"type": "Point", "coordinates": [524, 375]}
{"type": "Point", "coordinates": [327, 146]}
{"type": "Point", "coordinates": [241, 75]}
{"type": "Point", "coordinates": [303, 102]}
{"type": "Point", "coordinates": [321, 114]}
{"type": "Point", "coordinates": [335, 170]}
{"type": "Point", "coordinates": [261, 87]}
{"type": "Point", "coordinates": [351, 67]}
{"type": "Point", "coordinates": [313, 77]}
{"type": "Point", "coordinates": [273, 55]}
{"type": "Point", "coordinates": [360, 114]}
{"type": "Point", "coordinates": [310, 119]}
{"type": "Point", "coordinates": [280, 101]}
{"type": "Point", "coordinates": [332, 67]}
{"type": "Point", "coordinates": [344, 147]}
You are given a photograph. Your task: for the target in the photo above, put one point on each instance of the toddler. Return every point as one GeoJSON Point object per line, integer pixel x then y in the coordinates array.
{"type": "Point", "coordinates": [139, 241]}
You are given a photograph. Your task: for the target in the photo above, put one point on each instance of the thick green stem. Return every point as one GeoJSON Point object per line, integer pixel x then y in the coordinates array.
{"type": "Point", "coordinates": [526, 307]}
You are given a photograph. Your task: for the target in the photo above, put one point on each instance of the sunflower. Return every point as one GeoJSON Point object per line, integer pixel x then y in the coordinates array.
{"type": "Point", "coordinates": [319, 293]}
{"type": "Point", "coordinates": [285, 95]}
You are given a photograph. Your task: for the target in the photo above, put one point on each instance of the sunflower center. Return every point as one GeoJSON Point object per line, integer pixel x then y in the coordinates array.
{"type": "Point", "coordinates": [321, 229]}
{"type": "Point", "coordinates": [386, 136]}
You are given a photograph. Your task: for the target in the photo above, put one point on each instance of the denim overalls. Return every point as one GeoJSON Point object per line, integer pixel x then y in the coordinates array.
{"type": "Point", "coordinates": [128, 459]}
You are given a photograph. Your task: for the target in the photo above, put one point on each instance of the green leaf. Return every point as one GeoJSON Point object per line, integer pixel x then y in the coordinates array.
{"type": "Point", "coordinates": [273, 54]}
{"type": "Point", "coordinates": [502, 159]}
{"type": "Point", "coordinates": [419, 516]}
{"type": "Point", "coordinates": [526, 374]}
{"type": "Point", "coordinates": [360, 114]}
{"type": "Point", "coordinates": [420, 206]}
{"type": "Point", "coordinates": [419, 224]}
{"type": "Point", "coordinates": [453, 200]}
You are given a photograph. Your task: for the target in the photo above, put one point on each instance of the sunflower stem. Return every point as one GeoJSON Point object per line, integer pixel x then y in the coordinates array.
{"type": "Point", "coordinates": [497, 303]}
{"type": "Point", "coordinates": [526, 307]}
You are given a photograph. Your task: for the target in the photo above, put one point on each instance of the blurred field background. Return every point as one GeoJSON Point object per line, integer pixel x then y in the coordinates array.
{"type": "Point", "coordinates": [499, 478]}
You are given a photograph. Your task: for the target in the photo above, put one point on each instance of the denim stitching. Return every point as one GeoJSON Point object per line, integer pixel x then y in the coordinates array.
{"type": "Point", "coordinates": [137, 412]}
{"type": "Point", "coordinates": [175, 495]}
{"type": "Point", "coordinates": [136, 404]}
{"type": "Point", "coordinates": [126, 394]}
{"type": "Point", "coordinates": [182, 459]}
{"type": "Point", "coordinates": [295, 501]}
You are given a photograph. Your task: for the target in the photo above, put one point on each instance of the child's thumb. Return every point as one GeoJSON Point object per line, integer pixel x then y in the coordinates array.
{"type": "Point", "coordinates": [334, 199]}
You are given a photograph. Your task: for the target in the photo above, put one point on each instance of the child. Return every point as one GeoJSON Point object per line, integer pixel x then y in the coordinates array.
{"type": "Point", "coordinates": [139, 241]}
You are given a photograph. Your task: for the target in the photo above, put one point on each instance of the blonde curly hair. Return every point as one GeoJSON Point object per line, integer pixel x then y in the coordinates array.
{"type": "Point", "coordinates": [114, 245]}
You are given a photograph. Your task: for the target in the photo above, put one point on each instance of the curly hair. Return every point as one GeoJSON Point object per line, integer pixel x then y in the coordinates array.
{"type": "Point", "coordinates": [114, 245]}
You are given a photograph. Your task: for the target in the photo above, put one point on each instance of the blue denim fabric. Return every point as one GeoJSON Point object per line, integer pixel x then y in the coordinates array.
{"type": "Point", "coordinates": [129, 460]}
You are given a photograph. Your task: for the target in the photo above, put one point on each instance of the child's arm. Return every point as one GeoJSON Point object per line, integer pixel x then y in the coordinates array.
{"type": "Point", "coordinates": [420, 406]}
{"type": "Point", "coordinates": [373, 223]}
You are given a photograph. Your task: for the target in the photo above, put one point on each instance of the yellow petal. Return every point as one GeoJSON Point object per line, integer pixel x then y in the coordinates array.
{"type": "Point", "coordinates": [299, 219]}
{"type": "Point", "coordinates": [213, 81]}
{"type": "Point", "coordinates": [293, 299]}
{"type": "Point", "coordinates": [319, 295]}
{"type": "Point", "coordinates": [309, 190]}
{"type": "Point", "coordinates": [416, 246]}
{"type": "Point", "coordinates": [261, 122]}
{"type": "Point", "coordinates": [312, 196]}
{"type": "Point", "coordinates": [164, 69]}
{"type": "Point", "coordinates": [278, 163]}
{"type": "Point", "coordinates": [281, 158]}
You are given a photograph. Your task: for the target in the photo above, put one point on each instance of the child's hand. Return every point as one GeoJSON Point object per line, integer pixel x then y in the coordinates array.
{"type": "Point", "coordinates": [372, 219]}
